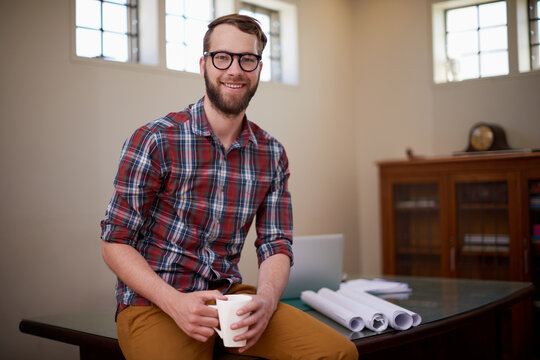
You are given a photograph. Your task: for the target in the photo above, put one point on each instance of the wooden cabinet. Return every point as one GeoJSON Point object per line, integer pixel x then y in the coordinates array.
{"type": "Point", "coordinates": [472, 216]}
{"type": "Point", "coordinates": [469, 216]}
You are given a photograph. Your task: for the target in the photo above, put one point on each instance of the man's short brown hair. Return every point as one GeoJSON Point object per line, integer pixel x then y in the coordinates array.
{"type": "Point", "coordinates": [244, 23]}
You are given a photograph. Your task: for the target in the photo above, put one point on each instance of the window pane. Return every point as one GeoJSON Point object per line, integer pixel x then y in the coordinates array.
{"type": "Point", "coordinates": [462, 43]}
{"type": "Point", "coordinates": [193, 54]}
{"type": "Point", "coordinates": [535, 32]}
{"type": "Point", "coordinates": [88, 14]}
{"type": "Point", "coordinates": [493, 64]}
{"type": "Point", "coordinates": [115, 46]}
{"type": "Point", "coordinates": [493, 14]}
{"type": "Point", "coordinates": [535, 58]}
{"type": "Point", "coordinates": [119, 1]}
{"type": "Point", "coordinates": [462, 19]}
{"type": "Point", "coordinates": [493, 39]}
{"type": "Point", "coordinates": [175, 56]}
{"type": "Point", "coordinates": [88, 42]}
{"type": "Point", "coordinates": [199, 9]}
{"type": "Point", "coordinates": [264, 21]}
{"type": "Point", "coordinates": [246, 12]}
{"type": "Point", "coordinates": [174, 29]}
{"type": "Point", "coordinates": [115, 18]}
{"type": "Point", "coordinates": [194, 42]}
{"type": "Point", "coordinates": [271, 56]}
{"type": "Point", "coordinates": [266, 72]}
{"type": "Point", "coordinates": [175, 7]}
{"type": "Point", "coordinates": [195, 35]}
{"type": "Point", "coordinates": [468, 67]}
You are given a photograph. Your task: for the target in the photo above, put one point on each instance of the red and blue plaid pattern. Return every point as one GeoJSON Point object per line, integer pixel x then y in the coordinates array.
{"type": "Point", "coordinates": [187, 206]}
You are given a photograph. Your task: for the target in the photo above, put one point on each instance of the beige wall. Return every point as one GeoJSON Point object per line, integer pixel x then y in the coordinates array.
{"type": "Point", "coordinates": [392, 104]}
{"type": "Point", "coordinates": [63, 124]}
{"type": "Point", "coordinates": [365, 94]}
{"type": "Point", "coordinates": [396, 104]}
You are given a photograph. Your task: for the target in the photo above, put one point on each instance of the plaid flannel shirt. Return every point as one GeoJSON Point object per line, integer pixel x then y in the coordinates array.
{"type": "Point", "coordinates": [186, 205]}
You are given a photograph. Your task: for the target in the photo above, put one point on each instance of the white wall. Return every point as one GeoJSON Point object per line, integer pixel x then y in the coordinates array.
{"type": "Point", "coordinates": [63, 124]}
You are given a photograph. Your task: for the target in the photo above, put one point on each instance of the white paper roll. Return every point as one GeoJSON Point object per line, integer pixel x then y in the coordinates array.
{"type": "Point", "coordinates": [373, 319]}
{"type": "Point", "coordinates": [335, 312]}
{"type": "Point", "coordinates": [399, 318]}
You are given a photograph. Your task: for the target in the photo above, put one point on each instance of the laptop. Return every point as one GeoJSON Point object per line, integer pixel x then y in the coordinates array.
{"type": "Point", "coordinates": [318, 263]}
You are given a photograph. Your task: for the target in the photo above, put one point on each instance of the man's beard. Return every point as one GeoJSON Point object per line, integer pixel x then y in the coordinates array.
{"type": "Point", "coordinates": [233, 106]}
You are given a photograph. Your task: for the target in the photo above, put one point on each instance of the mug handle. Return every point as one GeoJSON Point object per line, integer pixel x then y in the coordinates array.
{"type": "Point", "coordinates": [217, 330]}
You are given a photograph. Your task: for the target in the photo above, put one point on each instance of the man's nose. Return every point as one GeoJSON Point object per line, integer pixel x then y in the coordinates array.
{"type": "Point", "coordinates": [235, 66]}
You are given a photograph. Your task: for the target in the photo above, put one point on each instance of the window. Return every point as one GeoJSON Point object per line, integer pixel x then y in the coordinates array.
{"type": "Point", "coordinates": [168, 34]}
{"type": "Point", "coordinates": [534, 31]}
{"type": "Point", "coordinates": [186, 22]}
{"type": "Point", "coordinates": [107, 29]}
{"type": "Point", "coordinates": [270, 24]}
{"type": "Point", "coordinates": [476, 41]}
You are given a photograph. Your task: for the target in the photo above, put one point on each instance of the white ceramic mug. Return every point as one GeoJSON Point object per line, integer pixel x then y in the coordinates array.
{"type": "Point", "coordinates": [227, 315]}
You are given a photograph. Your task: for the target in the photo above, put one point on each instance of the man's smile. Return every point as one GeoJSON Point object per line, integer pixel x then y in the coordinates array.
{"type": "Point", "coordinates": [233, 86]}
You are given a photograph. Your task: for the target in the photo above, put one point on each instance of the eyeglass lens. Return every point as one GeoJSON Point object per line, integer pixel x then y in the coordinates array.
{"type": "Point", "coordinates": [223, 61]}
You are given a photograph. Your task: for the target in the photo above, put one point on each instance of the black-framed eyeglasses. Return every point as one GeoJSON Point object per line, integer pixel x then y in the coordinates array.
{"type": "Point", "coordinates": [223, 60]}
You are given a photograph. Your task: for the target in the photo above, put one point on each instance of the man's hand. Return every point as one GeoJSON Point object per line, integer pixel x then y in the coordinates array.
{"type": "Point", "coordinates": [188, 310]}
{"type": "Point", "coordinates": [192, 315]}
{"type": "Point", "coordinates": [262, 308]}
{"type": "Point", "coordinates": [273, 275]}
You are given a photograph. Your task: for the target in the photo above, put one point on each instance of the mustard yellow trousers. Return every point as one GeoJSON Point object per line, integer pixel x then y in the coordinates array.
{"type": "Point", "coordinates": [147, 333]}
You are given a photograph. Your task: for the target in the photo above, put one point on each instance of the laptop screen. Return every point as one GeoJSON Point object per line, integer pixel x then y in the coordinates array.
{"type": "Point", "coordinates": [318, 263]}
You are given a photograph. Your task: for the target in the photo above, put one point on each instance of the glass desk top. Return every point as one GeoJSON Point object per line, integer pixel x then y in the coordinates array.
{"type": "Point", "coordinates": [433, 298]}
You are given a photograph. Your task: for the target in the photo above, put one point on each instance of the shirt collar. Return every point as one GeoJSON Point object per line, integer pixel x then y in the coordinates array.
{"type": "Point", "coordinates": [201, 127]}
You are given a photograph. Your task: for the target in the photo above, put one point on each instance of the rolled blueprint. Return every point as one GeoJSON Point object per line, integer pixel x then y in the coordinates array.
{"type": "Point", "coordinates": [399, 318]}
{"type": "Point", "coordinates": [335, 312]}
{"type": "Point", "coordinates": [373, 319]}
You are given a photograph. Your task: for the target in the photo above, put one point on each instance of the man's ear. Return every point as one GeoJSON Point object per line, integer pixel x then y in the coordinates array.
{"type": "Point", "coordinates": [202, 65]}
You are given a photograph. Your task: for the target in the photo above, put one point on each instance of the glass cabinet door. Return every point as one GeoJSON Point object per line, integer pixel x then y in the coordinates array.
{"type": "Point", "coordinates": [534, 231]}
{"type": "Point", "coordinates": [483, 234]}
{"type": "Point", "coordinates": [417, 230]}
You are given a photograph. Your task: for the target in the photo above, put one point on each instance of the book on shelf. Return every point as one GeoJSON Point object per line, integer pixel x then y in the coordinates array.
{"type": "Point", "coordinates": [415, 204]}
{"type": "Point", "coordinates": [536, 230]}
{"type": "Point", "coordinates": [486, 239]}
{"type": "Point", "coordinates": [486, 248]}
{"type": "Point", "coordinates": [535, 188]}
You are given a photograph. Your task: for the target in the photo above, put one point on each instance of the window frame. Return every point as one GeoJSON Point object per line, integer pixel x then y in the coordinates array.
{"type": "Point", "coordinates": [479, 52]}
{"type": "Point", "coordinates": [273, 35]}
{"type": "Point", "coordinates": [152, 38]}
{"type": "Point", "coordinates": [518, 30]}
{"type": "Point", "coordinates": [183, 42]}
{"type": "Point", "coordinates": [132, 34]}
{"type": "Point", "coordinates": [534, 8]}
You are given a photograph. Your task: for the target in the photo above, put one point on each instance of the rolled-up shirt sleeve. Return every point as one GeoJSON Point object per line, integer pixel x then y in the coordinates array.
{"type": "Point", "coordinates": [135, 186]}
{"type": "Point", "coordinates": [274, 216]}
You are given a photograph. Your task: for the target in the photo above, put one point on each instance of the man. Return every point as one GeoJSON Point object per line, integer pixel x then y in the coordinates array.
{"type": "Point", "coordinates": [187, 190]}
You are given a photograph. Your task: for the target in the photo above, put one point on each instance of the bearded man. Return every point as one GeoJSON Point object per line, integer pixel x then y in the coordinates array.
{"type": "Point", "coordinates": [188, 188]}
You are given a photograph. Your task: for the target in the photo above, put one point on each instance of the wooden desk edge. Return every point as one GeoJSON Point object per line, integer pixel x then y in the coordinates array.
{"type": "Point", "coordinates": [397, 338]}
{"type": "Point", "coordinates": [75, 337]}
